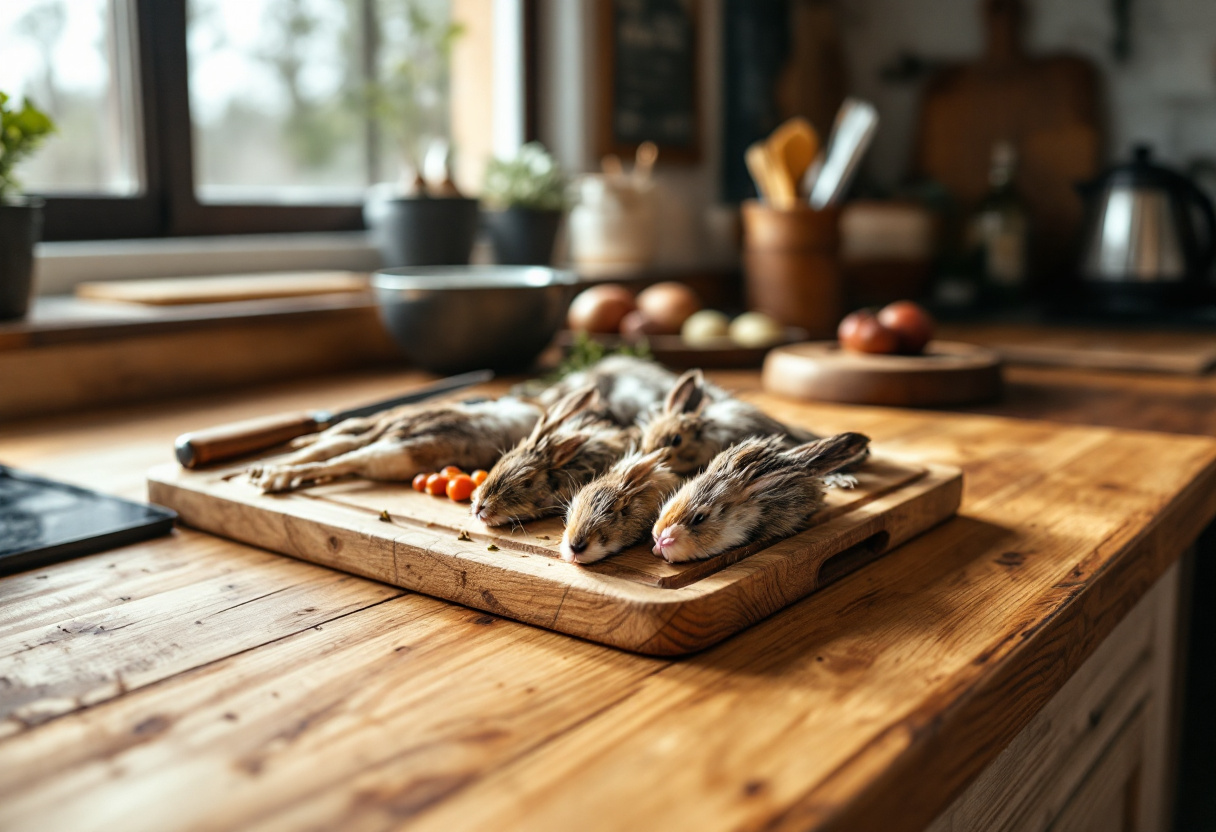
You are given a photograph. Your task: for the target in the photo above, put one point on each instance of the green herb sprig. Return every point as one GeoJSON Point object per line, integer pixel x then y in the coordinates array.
{"type": "Point", "coordinates": [532, 179]}
{"type": "Point", "coordinates": [21, 132]}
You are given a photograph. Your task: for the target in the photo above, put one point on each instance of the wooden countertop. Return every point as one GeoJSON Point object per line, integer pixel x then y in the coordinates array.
{"type": "Point", "coordinates": [191, 682]}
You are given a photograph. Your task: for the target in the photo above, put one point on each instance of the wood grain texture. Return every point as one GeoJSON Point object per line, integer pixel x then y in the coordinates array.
{"type": "Point", "coordinates": [1183, 353]}
{"type": "Point", "coordinates": [633, 600]}
{"type": "Point", "coordinates": [129, 622]}
{"type": "Point", "coordinates": [65, 376]}
{"type": "Point", "coordinates": [1035, 780]}
{"type": "Point", "coordinates": [871, 704]}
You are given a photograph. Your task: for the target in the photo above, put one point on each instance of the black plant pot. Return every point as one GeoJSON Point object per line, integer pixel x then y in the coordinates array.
{"type": "Point", "coordinates": [20, 228]}
{"type": "Point", "coordinates": [522, 236]}
{"type": "Point", "coordinates": [424, 231]}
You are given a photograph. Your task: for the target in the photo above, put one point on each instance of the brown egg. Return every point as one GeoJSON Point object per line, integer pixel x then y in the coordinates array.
{"type": "Point", "coordinates": [600, 309]}
{"type": "Point", "coordinates": [668, 305]}
{"type": "Point", "coordinates": [862, 332]}
{"type": "Point", "coordinates": [912, 325]}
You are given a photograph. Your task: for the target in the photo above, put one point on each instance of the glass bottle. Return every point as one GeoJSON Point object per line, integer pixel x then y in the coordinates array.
{"type": "Point", "coordinates": [998, 232]}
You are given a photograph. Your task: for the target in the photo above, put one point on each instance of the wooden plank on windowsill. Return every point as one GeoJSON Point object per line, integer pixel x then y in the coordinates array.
{"type": "Point", "coordinates": [60, 320]}
{"type": "Point", "coordinates": [71, 367]}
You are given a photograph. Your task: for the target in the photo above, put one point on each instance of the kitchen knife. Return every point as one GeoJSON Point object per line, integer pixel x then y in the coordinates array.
{"type": "Point", "coordinates": [203, 447]}
{"type": "Point", "coordinates": [851, 135]}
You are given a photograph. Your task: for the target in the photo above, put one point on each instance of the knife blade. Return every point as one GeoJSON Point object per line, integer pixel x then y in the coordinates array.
{"type": "Point", "coordinates": [218, 444]}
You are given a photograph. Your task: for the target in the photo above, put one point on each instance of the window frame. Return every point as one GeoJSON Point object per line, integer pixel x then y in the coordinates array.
{"type": "Point", "coordinates": [168, 205]}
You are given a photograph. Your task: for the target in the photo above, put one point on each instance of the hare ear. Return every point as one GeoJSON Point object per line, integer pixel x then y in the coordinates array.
{"type": "Point", "coordinates": [565, 449]}
{"type": "Point", "coordinates": [567, 406]}
{"type": "Point", "coordinates": [827, 455]}
{"type": "Point", "coordinates": [643, 468]}
{"type": "Point", "coordinates": [688, 395]}
{"type": "Point", "coordinates": [572, 403]}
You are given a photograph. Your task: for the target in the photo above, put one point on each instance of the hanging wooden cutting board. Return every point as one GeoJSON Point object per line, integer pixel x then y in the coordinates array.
{"type": "Point", "coordinates": [635, 601]}
{"type": "Point", "coordinates": [1049, 107]}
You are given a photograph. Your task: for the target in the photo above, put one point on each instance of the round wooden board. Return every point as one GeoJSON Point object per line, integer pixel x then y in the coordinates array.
{"type": "Point", "coordinates": [948, 373]}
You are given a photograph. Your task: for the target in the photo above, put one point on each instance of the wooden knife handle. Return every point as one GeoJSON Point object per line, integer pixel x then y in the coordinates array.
{"type": "Point", "coordinates": [203, 447]}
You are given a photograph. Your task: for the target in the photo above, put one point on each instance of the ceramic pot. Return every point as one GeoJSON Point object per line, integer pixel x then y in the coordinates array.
{"type": "Point", "coordinates": [612, 229]}
{"type": "Point", "coordinates": [522, 236]}
{"type": "Point", "coordinates": [20, 228]}
{"type": "Point", "coordinates": [424, 231]}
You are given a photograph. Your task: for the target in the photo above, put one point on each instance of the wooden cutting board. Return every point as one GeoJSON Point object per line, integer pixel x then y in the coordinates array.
{"type": "Point", "coordinates": [174, 291]}
{"type": "Point", "coordinates": [634, 601]}
{"type": "Point", "coordinates": [948, 373]}
{"type": "Point", "coordinates": [1181, 353]}
{"type": "Point", "coordinates": [1048, 106]}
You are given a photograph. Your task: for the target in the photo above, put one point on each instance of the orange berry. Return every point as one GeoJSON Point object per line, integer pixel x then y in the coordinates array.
{"type": "Point", "coordinates": [436, 485]}
{"type": "Point", "coordinates": [451, 471]}
{"type": "Point", "coordinates": [479, 476]}
{"type": "Point", "coordinates": [420, 482]}
{"type": "Point", "coordinates": [461, 487]}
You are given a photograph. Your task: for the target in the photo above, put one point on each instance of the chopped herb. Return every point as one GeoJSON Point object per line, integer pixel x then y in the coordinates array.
{"type": "Point", "coordinates": [463, 535]}
{"type": "Point", "coordinates": [384, 518]}
{"type": "Point", "coordinates": [491, 548]}
{"type": "Point", "coordinates": [586, 351]}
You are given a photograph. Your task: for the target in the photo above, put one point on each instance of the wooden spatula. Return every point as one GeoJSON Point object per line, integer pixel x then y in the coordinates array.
{"type": "Point", "coordinates": [793, 147]}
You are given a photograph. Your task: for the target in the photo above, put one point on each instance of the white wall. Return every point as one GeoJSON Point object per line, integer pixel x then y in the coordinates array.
{"type": "Point", "coordinates": [687, 193]}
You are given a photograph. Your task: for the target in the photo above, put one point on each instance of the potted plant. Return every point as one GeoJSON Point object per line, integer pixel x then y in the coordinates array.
{"type": "Point", "coordinates": [423, 220]}
{"type": "Point", "coordinates": [21, 131]}
{"type": "Point", "coordinates": [525, 197]}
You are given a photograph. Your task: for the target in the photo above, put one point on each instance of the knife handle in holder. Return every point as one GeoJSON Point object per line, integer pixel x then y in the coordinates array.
{"type": "Point", "coordinates": [224, 442]}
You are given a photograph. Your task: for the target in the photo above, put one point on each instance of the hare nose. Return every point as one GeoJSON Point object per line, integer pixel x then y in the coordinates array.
{"type": "Point", "coordinates": [578, 546]}
{"type": "Point", "coordinates": [663, 540]}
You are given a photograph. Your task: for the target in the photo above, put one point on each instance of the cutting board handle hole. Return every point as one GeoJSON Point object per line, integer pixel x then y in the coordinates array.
{"type": "Point", "coordinates": [853, 558]}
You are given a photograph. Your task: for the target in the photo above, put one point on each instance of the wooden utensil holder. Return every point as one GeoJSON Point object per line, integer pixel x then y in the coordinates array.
{"type": "Point", "coordinates": [791, 265]}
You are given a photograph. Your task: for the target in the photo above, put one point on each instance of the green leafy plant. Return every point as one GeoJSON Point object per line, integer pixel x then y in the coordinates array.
{"type": "Point", "coordinates": [21, 131]}
{"type": "Point", "coordinates": [410, 98]}
{"type": "Point", "coordinates": [532, 179]}
{"type": "Point", "coordinates": [586, 352]}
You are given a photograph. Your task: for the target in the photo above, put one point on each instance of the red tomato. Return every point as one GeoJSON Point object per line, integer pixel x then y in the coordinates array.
{"type": "Point", "coordinates": [420, 482]}
{"type": "Point", "coordinates": [460, 488]}
{"type": "Point", "coordinates": [911, 324]}
{"type": "Point", "coordinates": [436, 485]}
{"type": "Point", "coordinates": [451, 471]}
{"type": "Point", "coordinates": [479, 476]}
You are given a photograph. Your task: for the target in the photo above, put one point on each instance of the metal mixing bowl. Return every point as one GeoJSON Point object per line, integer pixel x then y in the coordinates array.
{"type": "Point", "coordinates": [449, 319]}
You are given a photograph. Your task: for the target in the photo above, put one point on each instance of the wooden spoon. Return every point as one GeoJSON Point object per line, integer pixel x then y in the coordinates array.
{"type": "Point", "coordinates": [757, 159]}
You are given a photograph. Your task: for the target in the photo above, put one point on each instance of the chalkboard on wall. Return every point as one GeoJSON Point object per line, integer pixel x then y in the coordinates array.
{"type": "Point", "coordinates": [648, 77]}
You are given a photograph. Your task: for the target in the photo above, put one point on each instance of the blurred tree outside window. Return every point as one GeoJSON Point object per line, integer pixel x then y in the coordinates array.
{"type": "Point", "coordinates": [73, 59]}
{"type": "Point", "coordinates": [314, 100]}
{"type": "Point", "coordinates": [293, 107]}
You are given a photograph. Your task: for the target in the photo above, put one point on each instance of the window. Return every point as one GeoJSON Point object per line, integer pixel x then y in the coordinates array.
{"type": "Point", "coordinates": [73, 58]}
{"type": "Point", "coordinates": [253, 116]}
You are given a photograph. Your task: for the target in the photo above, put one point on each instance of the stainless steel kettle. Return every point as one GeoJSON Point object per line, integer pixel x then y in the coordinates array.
{"type": "Point", "coordinates": [1145, 241]}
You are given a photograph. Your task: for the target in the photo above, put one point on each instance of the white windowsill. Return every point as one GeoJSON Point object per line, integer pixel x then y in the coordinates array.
{"type": "Point", "coordinates": [60, 266]}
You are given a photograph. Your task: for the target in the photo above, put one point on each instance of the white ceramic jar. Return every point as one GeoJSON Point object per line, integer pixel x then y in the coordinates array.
{"type": "Point", "coordinates": [612, 226]}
